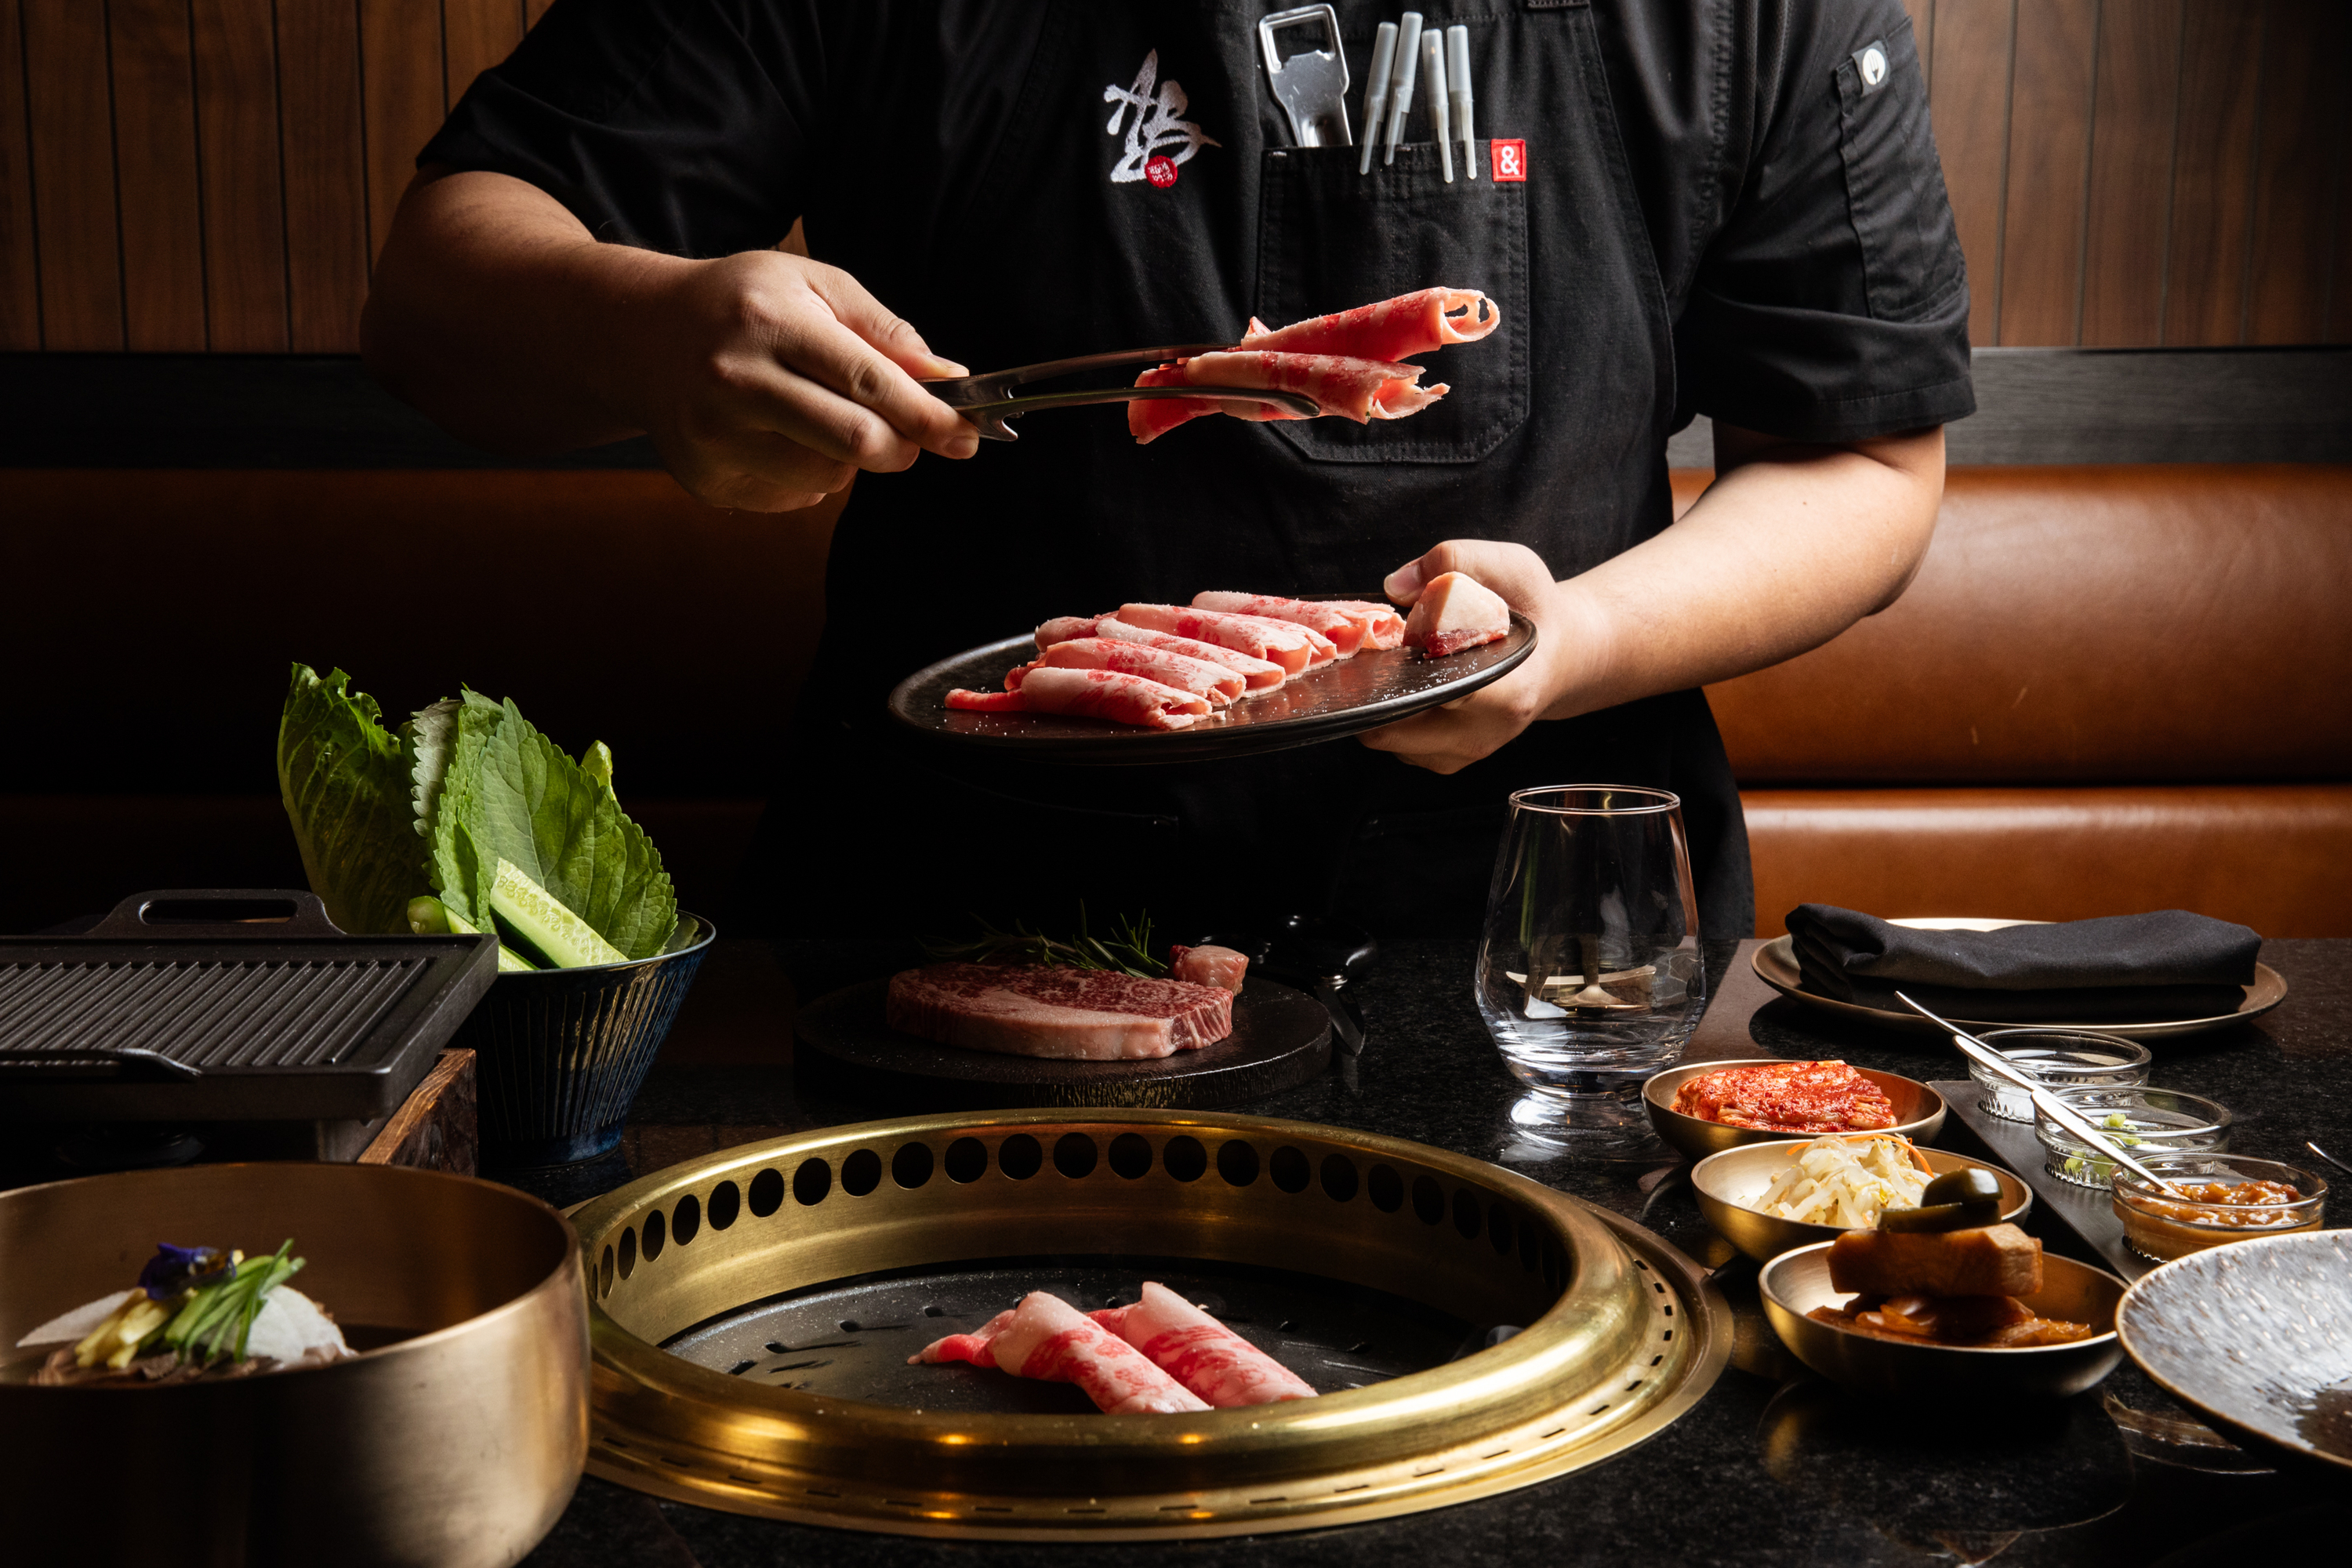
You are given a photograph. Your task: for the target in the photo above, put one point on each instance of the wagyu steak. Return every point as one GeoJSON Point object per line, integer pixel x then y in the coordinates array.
{"type": "Point", "coordinates": [1031, 1010]}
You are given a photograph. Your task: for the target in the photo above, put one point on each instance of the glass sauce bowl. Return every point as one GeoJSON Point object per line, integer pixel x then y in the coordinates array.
{"type": "Point", "coordinates": [2162, 1227]}
{"type": "Point", "coordinates": [2056, 1058]}
{"type": "Point", "coordinates": [2143, 1120]}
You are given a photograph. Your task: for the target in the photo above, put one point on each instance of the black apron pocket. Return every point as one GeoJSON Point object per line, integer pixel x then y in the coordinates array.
{"type": "Point", "coordinates": [1910, 258]}
{"type": "Point", "coordinates": [1330, 238]}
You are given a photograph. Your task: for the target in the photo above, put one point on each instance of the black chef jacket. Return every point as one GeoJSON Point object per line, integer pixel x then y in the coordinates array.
{"type": "Point", "coordinates": [1723, 206]}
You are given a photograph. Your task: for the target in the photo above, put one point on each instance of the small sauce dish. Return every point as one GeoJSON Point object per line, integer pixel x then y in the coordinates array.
{"type": "Point", "coordinates": [2143, 1121]}
{"type": "Point", "coordinates": [2056, 1058]}
{"type": "Point", "coordinates": [2160, 1227]}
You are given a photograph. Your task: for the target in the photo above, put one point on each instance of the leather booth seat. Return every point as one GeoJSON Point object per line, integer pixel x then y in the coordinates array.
{"type": "Point", "coordinates": [2107, 690]}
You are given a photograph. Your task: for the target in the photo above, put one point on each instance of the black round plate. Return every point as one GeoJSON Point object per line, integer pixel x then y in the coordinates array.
{"type": "Point", "coordinates": [1344, 698]}
{"type": "Point", "coordinates": [1281, 1038]}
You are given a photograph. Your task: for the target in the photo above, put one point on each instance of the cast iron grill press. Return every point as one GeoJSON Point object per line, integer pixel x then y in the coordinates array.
{"type": "Point", "coordinates": [217, 1007]}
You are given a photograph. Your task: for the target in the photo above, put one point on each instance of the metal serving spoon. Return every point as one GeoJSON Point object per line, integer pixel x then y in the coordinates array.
{"type": "Point", "coordinates": [2064, 1115]}
{"type": "Point", "coordinates": [987, 402]}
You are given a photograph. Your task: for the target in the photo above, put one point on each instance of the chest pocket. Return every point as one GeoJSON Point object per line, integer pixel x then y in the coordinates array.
{"type": "Point", "coordinates": [1895, 182]}
{"type": "Point", "coordinates": [1330, 238]}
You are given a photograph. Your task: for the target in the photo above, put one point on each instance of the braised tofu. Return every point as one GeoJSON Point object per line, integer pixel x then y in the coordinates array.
{"type": "Point", "coordinates": [1988, 1260]}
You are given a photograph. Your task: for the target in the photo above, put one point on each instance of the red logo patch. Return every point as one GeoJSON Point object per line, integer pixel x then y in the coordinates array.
{"type": "Point", "coordinates": [1510, 160]}
{"type": "Point", "coordinates": [1161, 171]}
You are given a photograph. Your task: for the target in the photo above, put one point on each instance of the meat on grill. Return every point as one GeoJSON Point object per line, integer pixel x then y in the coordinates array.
{"type": "Point", "coordinates": [1046, 1338]}
{"type": "Point", "coordinates": [1201, 1352]}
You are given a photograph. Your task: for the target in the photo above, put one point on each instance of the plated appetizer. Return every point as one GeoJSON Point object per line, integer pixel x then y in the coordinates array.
{"type": "Point", "coordinates": [1161, 1356]}
{"type": "Point", "coordinates": [1945, 1274]}
{"type": "Point", "coordinates": [1788, 1096]}
{"type": "Point", "coordinates": [196, 1313]}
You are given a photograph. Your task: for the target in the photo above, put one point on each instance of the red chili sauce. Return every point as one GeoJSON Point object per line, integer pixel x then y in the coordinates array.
{"type": "Point", "coordinates": [1788, 1096]}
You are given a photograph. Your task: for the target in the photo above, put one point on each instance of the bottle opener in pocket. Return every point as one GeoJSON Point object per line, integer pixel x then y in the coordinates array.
{"type": "Point", "coordinates": [1311, 85]}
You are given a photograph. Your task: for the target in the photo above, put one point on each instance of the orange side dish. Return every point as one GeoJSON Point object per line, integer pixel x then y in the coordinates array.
{"type": "Point", "coordinates": [1788, 1096]}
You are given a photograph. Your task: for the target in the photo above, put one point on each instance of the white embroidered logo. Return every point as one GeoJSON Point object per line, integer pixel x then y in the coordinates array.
{"type": "Point", "coordinates": [1157, 125]}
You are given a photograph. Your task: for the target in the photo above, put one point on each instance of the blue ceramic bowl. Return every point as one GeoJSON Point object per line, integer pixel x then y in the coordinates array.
{"type": "Point", "coordinates": [560, 1054]}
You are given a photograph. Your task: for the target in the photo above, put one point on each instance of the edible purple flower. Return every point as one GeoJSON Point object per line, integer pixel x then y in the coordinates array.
{"type": "Point", "coordinates": [174, 1269]}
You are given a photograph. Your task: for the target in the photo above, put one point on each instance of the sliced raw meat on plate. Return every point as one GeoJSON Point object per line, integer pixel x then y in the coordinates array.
{"type": "Point", "coordinates": [1262, 675]}
{"type": "Point", "coordinates": [1089, 694]}
{"type": "Point", "coordinates": [1389, 329]}
{"type": "Point", "coordinates": [1199, 677]}
{"type": "Point", "coordinates": [1383, 625]}
{"type": "Point", "coordinates": [1278, 642]}
{"type": "Point", "coordinates": [1345, 631]}
{"type": "Point", "coordinates": [1033, 1010]}
{"type": "Point", "coordinates": [1048, 1339]}
{"type": "Point", "coordinates": [1358, 389]}
{"type": "Point", "coordinates": [1455, 612]}
{"type": "Point", "coordinates": [1064, 629]}
{"type": "Point", "coordinates": [1201, 1352]}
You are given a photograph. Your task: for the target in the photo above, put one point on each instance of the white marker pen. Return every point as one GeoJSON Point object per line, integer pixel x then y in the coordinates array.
{"type": "Point", "coordinates": [1376, 96]}
{"type": "Point", "coordinates": [1408, 57]}
{"type": "Point", "coordinates": [1457, 81]}
{"type": "Point", "coordinates": [1433, 73]}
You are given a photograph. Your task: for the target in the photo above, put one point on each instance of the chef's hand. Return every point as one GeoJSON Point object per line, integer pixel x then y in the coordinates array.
{"type": "Point", "coordinates": [770, 380]}
{"type": "Point", "coordinates": [765, 379]}
{"type": "Point", "coordinates": [1448, 738]}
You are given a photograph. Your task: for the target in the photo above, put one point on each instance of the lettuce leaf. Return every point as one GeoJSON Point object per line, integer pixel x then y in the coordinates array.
{"type": "Point", "coordinates": [346, 786]}
{"type": "Point", "coordinates": [507, 792]}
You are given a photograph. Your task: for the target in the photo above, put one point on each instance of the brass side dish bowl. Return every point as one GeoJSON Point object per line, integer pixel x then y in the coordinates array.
{"type": "Point", "coordinates": [1731, 1183]}
{"type": "Point", "coordinates": [1918, 1109]}
{"type": "Point", "coordinates": [1794, 1283]}
{"type": "Point", "coordinates": [458, 1442]}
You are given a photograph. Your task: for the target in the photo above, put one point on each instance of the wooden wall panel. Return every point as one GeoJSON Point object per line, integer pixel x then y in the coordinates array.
{"type": "Point", "coordinates": [244, 188]}
{"type": "Point", "coordinates": [2049, 171]}
{"type": "Point", "coordinates": [2129, 203]}
{"type": "Point", "coordinates": [326, 179]}
{"type": "Point", "coordinates": [2212, 172]}
{"type": "Point", "coordinates": [2305, 100]}
{"type": "Point", "coordinates": [220, 174]}
{"type": "Point", "coordinates": [20, 278]}
{"type": "Point", "coordinates": [161, 209]}
{"type": "Point", "coordinates": [1971, 116]}
{"type": "Point", "coordinates": [478, 34]}
{"type": "Point", "coordinates": [69, 123]}
{"type": "Point", "coordinates": [400, 42]}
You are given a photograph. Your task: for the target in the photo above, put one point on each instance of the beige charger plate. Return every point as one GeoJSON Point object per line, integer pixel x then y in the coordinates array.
{"type": "Point", "coordinates": [1776, 965]}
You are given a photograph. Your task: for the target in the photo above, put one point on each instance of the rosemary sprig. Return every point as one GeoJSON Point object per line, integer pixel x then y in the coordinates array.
{"type": "Point", "coordinates": [1128, 949]}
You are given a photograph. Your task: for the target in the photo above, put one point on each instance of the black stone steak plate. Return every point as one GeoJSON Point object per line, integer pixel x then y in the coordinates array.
{"type": "Point", "coordinates": [1344, 698]}
{"type": "Point", "coordinates": [1281, 1038]}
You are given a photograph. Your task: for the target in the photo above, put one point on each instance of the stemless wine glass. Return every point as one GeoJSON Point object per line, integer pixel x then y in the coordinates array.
{"type": "Point", "coordinates": [1589, 976]}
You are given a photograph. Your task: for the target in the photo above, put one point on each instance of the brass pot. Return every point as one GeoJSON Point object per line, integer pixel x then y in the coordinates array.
{"type": "Point", "coordinates": [457, 1445]}
{"type": "Point", "coordinates": [1621, 1333]}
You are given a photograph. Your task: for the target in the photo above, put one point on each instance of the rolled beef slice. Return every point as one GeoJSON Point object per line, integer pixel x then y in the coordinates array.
{"type": "Point", "coordinates": [1034, 1011]}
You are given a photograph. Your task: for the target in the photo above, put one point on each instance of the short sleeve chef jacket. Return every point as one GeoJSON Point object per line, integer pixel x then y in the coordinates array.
{"type": "Point", "coordinates": [1757, 176]}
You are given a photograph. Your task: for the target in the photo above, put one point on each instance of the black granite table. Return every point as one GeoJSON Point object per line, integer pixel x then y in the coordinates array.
{"type": "Point", "coordinates": [1773, 1467]}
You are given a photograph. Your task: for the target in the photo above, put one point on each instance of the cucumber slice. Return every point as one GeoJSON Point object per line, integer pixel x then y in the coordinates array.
{"type": "Point", "coordinates": [429, 916]}
{"type": "Point", "coordinates": [561, 937]}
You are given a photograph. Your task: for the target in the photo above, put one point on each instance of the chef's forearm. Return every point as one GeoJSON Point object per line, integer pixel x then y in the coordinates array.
{"type": "Point", "coordinates": [495, 311]}
{"type": "Point", "coordinates": [1789, 547]}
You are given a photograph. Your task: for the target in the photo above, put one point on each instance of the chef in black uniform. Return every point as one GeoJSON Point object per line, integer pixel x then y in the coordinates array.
{"type": "Point", "coordinates": [1729, 207]}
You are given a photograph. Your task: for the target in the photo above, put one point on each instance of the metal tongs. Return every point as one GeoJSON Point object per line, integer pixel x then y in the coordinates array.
{"type": "Point", "coordinates": [987, 402]}
{"type": "Point", "coordinates": [2064, 1115]}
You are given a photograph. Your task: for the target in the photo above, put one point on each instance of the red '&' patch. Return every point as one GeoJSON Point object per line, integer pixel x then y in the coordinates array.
{"type": "Point", "coordinates": [1510, 158]}
{"type": "Point", "coordinates": [1161, 171]}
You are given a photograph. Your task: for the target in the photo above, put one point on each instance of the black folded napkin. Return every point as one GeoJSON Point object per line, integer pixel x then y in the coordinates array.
{"type": "Point", "coordinates": [2120, 969]}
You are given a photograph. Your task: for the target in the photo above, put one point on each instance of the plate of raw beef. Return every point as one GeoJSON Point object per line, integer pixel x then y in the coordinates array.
{"type": "Point", "coordinates": [1228, 675]}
